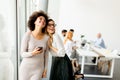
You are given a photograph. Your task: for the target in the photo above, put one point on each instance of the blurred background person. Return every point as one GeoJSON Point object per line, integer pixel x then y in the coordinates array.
{"type": "Point", "coordinates": [70, 49]}
{"type": "Point", "coordinates": [72, 30]}
{"type": "Point", "coordinates": [63, 32]}
{"type": "Point", "coordinates": [69, 43]}
{"type": "Point", "coordinates": [99, 42]}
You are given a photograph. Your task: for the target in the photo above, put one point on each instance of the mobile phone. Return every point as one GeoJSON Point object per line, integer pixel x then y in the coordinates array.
{"type": "Point", "coordinates": [40, 48]}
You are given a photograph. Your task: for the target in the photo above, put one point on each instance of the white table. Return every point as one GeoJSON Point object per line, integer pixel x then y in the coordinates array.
{"type": "Point", "coordinates": [97, 53]}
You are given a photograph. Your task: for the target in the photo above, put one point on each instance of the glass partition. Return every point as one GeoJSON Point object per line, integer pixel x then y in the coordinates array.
{"type": "Point", "coordinates": [8, 40]}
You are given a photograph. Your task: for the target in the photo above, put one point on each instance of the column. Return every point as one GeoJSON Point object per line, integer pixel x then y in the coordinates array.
{"type": "Point", "coordinates": [8, 49]}
{"type": "Point", "coordinates": [41, 5]}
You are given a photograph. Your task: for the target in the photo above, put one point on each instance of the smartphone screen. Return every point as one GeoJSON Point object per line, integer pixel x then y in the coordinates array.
{"type": "Point", "coordinates": [40, 48]}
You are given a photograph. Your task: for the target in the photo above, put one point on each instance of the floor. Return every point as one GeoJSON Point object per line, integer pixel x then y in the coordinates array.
{"type": "Point", "coordinates": [93, 69]}
{"type": "Point", "coordinates": [116, 73]}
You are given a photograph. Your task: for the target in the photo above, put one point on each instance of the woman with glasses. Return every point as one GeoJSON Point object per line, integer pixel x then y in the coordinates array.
{"type": "Point", "coordinates": [61, 68]}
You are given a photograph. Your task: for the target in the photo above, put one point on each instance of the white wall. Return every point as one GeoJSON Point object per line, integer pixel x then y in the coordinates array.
{"type": "Point", "coordinates": [90, 17]}
{"type": "Point", "coordinates": [8, 40]}
{"type": "Point", "coordinates": [53, 9]}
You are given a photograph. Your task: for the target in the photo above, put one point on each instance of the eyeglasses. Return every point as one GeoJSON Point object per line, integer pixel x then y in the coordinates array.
{"type": "Point", "coordinates": [52, 25]}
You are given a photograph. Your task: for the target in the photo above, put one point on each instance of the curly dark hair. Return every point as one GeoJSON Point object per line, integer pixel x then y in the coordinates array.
{"type": "Point", "coordinates": [33, 18]}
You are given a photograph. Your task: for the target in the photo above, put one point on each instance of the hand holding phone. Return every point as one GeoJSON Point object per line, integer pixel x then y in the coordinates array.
{"type": "Point", "coordinates": [40, 48]}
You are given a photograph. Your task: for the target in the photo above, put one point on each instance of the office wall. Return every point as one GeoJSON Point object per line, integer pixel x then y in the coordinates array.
{"type": "Point", "coordinates": [90, 17]}
{"type": "Point", "coordinates": [53, 9]}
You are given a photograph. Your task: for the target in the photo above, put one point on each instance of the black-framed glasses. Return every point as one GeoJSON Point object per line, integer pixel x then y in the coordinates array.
{"type": "Point", "coordinates": [52, 25]}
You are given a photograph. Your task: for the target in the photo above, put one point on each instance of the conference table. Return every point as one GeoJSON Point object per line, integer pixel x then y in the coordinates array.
{"type": "Point", "coordinates": [97, 52]}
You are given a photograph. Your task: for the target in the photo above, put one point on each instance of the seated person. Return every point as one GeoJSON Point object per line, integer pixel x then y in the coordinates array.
{"type": "Point", "coordinates": [99, 42]}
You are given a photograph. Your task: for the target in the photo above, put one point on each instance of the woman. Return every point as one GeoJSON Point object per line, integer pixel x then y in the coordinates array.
{"type": "Point", "coordinates": [61, 68]}
{"type": "Point", "coordinates": [69, 44]}
{"type": "Point", "coordinates": [70, 49]}
{"type": "Point", "coordinates": [34, 48]}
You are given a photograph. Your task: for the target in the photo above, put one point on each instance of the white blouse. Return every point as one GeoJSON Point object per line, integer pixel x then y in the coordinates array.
{"type": "Point", "coordinates": [68, 47]}
{"type": "Point", "coordinates": [57, 43]}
